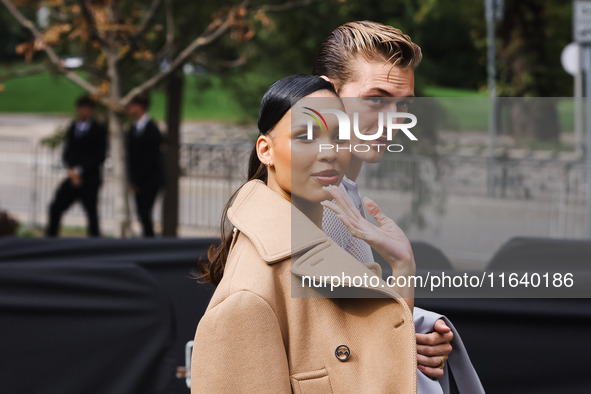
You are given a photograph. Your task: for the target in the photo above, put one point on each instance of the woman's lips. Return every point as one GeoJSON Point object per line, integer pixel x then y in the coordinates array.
{"type": "Point", "coordinates": [328, 177]}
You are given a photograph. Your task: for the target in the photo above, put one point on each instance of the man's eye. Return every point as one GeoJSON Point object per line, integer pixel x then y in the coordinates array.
{"type": "Point", "coordinates": [376, 100]}
{"type": "Point", "coordinates": [403, 105]}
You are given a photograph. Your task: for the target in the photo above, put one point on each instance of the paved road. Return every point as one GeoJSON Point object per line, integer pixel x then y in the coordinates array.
{"type": "Point", "coordinates": [467, 229]}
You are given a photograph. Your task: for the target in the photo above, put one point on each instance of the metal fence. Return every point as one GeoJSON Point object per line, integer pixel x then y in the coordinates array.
{"type": "Point", "coordinates": [30, 174]}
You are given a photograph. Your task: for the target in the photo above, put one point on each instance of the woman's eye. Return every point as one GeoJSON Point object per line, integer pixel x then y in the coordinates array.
{"type": "Point", "coordinates": [335, 138]}
{"type": "Point", "coordinates": [303, 137]}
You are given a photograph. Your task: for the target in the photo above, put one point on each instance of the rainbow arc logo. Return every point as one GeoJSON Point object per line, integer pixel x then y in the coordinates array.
{"type": "Point", "coordinates": [316, 118]}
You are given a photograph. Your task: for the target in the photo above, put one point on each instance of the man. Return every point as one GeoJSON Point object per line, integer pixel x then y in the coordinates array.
{"type": "Point", "coordinates": [84, 153]}
{"type": "Point", "coordinates": [370, 60]}
{"type": "Point", "coordinates": [144, 162]}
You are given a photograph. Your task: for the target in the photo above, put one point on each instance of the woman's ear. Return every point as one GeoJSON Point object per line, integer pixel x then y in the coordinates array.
{"type": "Point", "coordinates": [264, 149]}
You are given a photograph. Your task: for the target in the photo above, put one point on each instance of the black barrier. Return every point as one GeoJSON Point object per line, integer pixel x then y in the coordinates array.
{"type": "Point", "coordinates": [168, 262]}
{"type": "Point", "coordinates": [523, 345]}
{"type": "Point", "coordinates": [92, 328]}
{"type": "Point", "coordinates": [529, 253]}
{"type": "Point", "coordinates": [113, 316]}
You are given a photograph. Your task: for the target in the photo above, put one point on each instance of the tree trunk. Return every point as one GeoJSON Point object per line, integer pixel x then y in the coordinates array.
{"type": "Point", "coordinates": [117, 148]}
{"type": "Point", "coordinates": [174, 101]}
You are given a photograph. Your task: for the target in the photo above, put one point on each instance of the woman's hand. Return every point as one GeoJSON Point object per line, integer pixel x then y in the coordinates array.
{"type": "Point", "coordinates": [387, 239]}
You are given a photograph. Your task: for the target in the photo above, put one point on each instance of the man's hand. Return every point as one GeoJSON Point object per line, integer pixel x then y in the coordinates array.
{"type": "Point", "coordinates": [74, 176]}
{"type": "Point", "coordinates": [431, 347]}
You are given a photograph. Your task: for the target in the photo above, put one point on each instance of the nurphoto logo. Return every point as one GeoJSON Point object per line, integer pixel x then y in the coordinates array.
{"type": "Point", "coordinates": [392, 122]}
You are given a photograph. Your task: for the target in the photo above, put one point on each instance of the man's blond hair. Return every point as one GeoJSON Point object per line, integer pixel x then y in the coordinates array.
{"type": "Point", "coordinates": [367, 40]}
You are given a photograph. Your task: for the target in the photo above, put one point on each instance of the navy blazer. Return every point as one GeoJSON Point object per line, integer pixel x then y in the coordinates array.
{"type": "Point", "coordinates": [144, 161]}
{"type": "Point", "coordinates": [86, 150]}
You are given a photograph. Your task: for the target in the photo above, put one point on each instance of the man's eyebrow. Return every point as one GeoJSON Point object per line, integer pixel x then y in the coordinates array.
{"type": "Point", "coordinates": [379, 92]}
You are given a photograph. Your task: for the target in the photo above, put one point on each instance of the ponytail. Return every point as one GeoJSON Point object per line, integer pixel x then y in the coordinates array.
{"type": "Point", "coordinates": [218, 254]}
{"type": "Point", "coordinates": [275, 103]}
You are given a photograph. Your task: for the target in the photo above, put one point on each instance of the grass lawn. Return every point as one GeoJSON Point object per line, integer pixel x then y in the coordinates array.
{"type": "Point", "coordinates": [52, 94]}
{"type": "Point", "coordinates": [46, 93]}
{"type": "Point", "coordinates": [468, 110]}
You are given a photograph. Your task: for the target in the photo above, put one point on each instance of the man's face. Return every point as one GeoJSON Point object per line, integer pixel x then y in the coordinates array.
{"type": "Point", "coordinates": [83, 113]}
{"type": "Point", "coordinates": [377, 87]}
{"type": "Point", "coordinates": [135, 111]}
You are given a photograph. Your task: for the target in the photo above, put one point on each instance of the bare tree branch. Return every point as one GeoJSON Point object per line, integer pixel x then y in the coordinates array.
{"type": "Point", "coordinates": [134, 39]}
{"type": "Point", "coordinates": [94, 34]}
{"type": "Point", "coordinates": [167, 48]}
{"type": "Point", "coordinates": [200, 42]}
{"type": "Point", "coordinates": [84, 84]}
{"type": "Point", "coordinates": [147, 18]}
{"type": "Point", "coordinates": [169, 24]}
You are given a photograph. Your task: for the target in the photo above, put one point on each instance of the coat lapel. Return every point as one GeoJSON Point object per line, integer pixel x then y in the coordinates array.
{"type": "Point", "coordinates": [279, 231]}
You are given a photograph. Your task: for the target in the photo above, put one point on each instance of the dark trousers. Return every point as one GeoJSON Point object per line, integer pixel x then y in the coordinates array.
{"type": "Point", "coordinates": [144, 203]}
{"type": "Point", "coordinates": [67, 194]}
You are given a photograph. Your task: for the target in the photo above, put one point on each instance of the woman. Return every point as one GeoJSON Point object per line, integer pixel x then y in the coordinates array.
{"type": "Point", "coordinates": [255, 337]}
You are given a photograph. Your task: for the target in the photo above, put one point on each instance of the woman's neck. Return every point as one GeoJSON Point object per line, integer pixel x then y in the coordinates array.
{"type": "Point", "coordinates": [312, 210]}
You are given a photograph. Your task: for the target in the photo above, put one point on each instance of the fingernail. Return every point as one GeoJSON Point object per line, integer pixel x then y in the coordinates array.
{"type": "Point", "coordinates": [421, 368]}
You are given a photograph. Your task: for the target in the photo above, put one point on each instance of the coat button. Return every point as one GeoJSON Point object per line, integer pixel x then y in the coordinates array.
{"type": "Point", "coordinates": [342, 352]}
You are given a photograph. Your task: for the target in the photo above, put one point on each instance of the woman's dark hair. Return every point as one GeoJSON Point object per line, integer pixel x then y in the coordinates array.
{"type": "Point", "coordinates": [280, 97]}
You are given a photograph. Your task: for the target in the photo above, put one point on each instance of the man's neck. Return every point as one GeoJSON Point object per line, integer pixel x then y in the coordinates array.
{"type": "Point", "coordinates": [354, 168]}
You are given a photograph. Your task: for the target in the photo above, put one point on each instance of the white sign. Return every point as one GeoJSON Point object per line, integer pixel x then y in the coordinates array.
{"type": "Point", "coordinates": [570, 58]}
{"type": "Point", "coordinates": [582, 21]}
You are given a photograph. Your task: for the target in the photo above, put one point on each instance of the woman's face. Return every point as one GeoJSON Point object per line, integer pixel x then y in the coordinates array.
{"type": "Point", "coordinates": [302, 166]}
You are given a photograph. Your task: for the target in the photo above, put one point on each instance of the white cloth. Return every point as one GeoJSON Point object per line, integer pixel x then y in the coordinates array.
{"type": "Point", "coordinates": [141, 123]}
{"type": "Point", "coordinates": [465, 375]}
{"type": "Point", "coordinates": [335, 229]}
{"type": "Point", "coordinates": [81, 128]}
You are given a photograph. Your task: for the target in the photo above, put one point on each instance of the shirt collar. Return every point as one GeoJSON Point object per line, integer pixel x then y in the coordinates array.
{"type": "Point", "coordinates": [349, 184]}
{"type": "Point", "coordinates": [141, 122]}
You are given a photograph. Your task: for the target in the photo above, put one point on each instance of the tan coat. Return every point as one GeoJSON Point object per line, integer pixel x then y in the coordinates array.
{"type": "Point", "coordinates": [256, 338]}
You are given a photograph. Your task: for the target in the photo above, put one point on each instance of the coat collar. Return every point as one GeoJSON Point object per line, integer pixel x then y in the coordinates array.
{"type": "Point", "coordinates": [266, 219]}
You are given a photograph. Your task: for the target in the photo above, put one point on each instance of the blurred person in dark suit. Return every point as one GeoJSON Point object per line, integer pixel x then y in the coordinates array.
{"type": "Point", "coordinates": [144, 163]}
{"type": "Point", "coordinates": [84, 154]}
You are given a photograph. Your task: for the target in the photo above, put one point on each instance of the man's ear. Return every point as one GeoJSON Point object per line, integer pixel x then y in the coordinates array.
{"type": "Point", "coordinates": [336, 87]}
{"type": "Point", "coordinates": [264, 150]}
